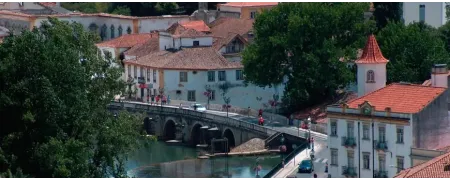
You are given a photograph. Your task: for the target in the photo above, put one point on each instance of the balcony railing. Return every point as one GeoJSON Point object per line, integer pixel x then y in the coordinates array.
{"type": "Point", "coordinates": [380, 174]}
{"type": "Point", "coordinates": [381, 145]}
{"type": "Point", "coordinates": [349, 171]}
{"type": "Point", "coordinates": [348, 141]}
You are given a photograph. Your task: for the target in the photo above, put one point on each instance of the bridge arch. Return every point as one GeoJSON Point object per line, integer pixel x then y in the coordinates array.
{"type": "Point", "coordinates": [196, 134]}
{"type": "Point", "coordinates": [169, 130]}
{"type": "Point", "coordinates": [228, 133]}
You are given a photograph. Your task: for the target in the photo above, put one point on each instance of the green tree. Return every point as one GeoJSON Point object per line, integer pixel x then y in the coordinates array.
{"type": "Point", "coordinates": [166, 7]}
{"type": "Point", "coordinates": [122, 10]}
{"type": "Point", "coordinates": [303, 42]}
{"type": "Point", "coordinates": [54, 90]}
{"type": "Point", "coordinates": [412, 50]}
{"type": "Point", "coordinates": [387, 11]}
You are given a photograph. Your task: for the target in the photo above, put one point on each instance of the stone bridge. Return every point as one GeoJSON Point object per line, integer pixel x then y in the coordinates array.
{"type": "Point", "coordinates": [193, 127]}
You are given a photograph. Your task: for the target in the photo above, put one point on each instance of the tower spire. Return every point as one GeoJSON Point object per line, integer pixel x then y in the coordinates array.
{"type": "Point", "coordinates": [371, 53]}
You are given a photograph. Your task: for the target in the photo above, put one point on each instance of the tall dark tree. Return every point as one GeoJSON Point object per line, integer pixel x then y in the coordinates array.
{"type": "Point", "coordinates": [387, 11]}
{"type": "Point", "coordinates": [54, 90]}
{"type": "Point", "coordinates": [303, 43]}
{"type": "Point", "coordinates": [412, 50]}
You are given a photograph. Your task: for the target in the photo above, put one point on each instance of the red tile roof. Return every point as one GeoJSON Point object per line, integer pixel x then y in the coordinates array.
{"type": "Point", "coordinates": [128, 40]}
{"type": "Point", "coordinates": [249, 4]}
{"type": "Point", "coordinates": [401, 98]}
{"type": "Point", "coordinates": [143, 49]}
{"type": "Point", "coordinates": [431, 169]}
{"type": "Point", "coordinates": [197, 25]}
{"type": "Point", "coordinates": [371, 53]}
{"type": "Point", "coordinates": [219, 42]}
{"type": "Point", "coordinates": [201, 58]}
{"type": "Point", "coordinates": [223, 26]}
{"type": "Point", "coordinates": [177, 31]}
{"type": "Point", "coordinates": [48, 4]}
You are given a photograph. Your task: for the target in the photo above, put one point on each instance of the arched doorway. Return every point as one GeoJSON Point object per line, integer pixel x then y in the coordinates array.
{"type": "Point", "coordinates": [196, 135]}
{"type": "Point", "coordinates": [170, 130]}
{"type": "Point", "coordinates": [230, 136]}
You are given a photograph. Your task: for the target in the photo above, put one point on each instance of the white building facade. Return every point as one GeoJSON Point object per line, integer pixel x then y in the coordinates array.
{"type": "Point", "coordinates": [432, 13]}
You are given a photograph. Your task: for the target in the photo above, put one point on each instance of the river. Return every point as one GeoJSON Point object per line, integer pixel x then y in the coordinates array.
{"type": "Point", "coordinates": [159, 160]}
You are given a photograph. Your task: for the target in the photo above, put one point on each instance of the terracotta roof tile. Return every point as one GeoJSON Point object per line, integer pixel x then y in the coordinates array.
{"type": "Point", "coordinates": [223, 26]}
{"type": "Point", "coordinates": [197, 25]}
{"type": "Point", "coordinates": [219, 42]}
{"type": "Point", "coordinates": [201, 58]}
{"type": "Point", "coordinates": [249, 4]}
{"type": "Point", "coordinates": [143, 49]}
{"type": "Point", "coordinates": [431, 169]}
{"type": "Point", "coordinates": [401, 98]}
{"type": "Point", "coordinates": [371, 53]}
{"type": "Point", "coordinates": [48, 4]}
{"type": "Point", "coordinates": [128, 40]}
{"type": "Point", "coordinates": [177, 31]}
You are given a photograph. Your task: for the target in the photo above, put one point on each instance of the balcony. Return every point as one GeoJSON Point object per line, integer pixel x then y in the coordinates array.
{"type": "Point", "coordinates": [380, 174]}
{"type": "Point", "coordinates": [348, 141]}
{"type": "Point", "coordinates": [381, 145]}
{"type": "Point", "coordinates": [349, 171]}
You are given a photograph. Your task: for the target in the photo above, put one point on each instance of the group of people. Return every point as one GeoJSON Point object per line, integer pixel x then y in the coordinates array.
{"type": "Point", "coordinates": [155, 99]}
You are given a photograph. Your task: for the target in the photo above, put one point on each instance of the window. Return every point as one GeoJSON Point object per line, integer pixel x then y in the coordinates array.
{"type": "Point", "coordinates": [239, 75]}
{"type": "Point", "coordinates": [382, 162]}
{"type": "Point", "coordinates": [350, 132]}
{"type": "Point", "coordinates": [135, 72]}
{"type": "Point", "coordinates": [212, 97]}
{"type": "Point", "coordinates": [381, 134]}
{"type": "Point", "coordinates": [399, 135]}
{"type": "Point", "coordinates": [422, 13]}
{"type": "Point", "coordinates": [196, 43]}
{"type": "Point", "coordinates": [154, 75]}
{"type": "Point", "coordinates": [350, 159]}
{"type": "Point", "coordinates": [129, 71]}
{"type": "Point", "coordinates": [366, 131]}
{"type": "Point", "coordinates": [211, 76]}
{"type": "Point", "coordinates": [112, 31]}
{"type": "Point", "coordinates": [400, 163]}
{"type": "Point", "coordinates": [183, 77]}
{"type": "Point", "coordinates": [222, 76]}
{"type": "Point", "coordinates": [129, 30]}
{"type": "Point", "coordinates": [142, 72]}
{"type": "Point", "coordinates": [191, 95]}
{"type": "Point", "coordinates": [252, 15]}
{"type": "Point", "coordinates": [333, 128]}
{"type": "Point", "coordinates": [370, 76]}
{"type": "Point", "coordinates": [334, 157]}
{"type": "Point", "coordinates": [366, 160]}
{"type": "Point", "coordinates": [250, 35]}
{"type": "Point", "coordinates": [120, 30]}
{"type": "Point", "coordinates": [148, 75]}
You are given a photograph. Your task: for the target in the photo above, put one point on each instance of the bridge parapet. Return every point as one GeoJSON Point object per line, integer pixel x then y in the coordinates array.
{"type": "Point", "coordinates": [170, 110]}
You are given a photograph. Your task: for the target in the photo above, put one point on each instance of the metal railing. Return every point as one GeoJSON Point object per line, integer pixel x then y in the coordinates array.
{"type": "Point", "coordinates": [192, 113]}
{"type": "Point", "coordinates": [380, 174]}
{"type": "Point", "coordinates": [289, 157]}
{"type": "Point", "coordinates": [348, 141]}
{"type": "Point", "coordinates": [381, 145]}
{"type": "Point", "coordinates": [349, 171]}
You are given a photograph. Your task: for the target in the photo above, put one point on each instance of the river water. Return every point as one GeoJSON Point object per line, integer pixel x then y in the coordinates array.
{"type": "Point", "coordinates": [159, 160]}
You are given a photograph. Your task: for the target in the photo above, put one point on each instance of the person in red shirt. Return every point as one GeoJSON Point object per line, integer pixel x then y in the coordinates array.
{"type": "Point", "coordinates": [261, 121]}
{"type": "Point", "coordinates": [157, 99]}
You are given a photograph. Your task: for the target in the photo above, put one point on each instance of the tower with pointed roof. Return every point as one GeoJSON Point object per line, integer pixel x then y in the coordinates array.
{"type": "Point", "coordinates": [371, 65]}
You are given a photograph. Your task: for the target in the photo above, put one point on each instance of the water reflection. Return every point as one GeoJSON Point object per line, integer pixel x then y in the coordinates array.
{"type": "Point", "coordinates": [162, 161]}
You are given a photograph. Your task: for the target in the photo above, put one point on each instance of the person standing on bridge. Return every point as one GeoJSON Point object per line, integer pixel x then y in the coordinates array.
{"type": "Point", "coordinates": [261, 121]}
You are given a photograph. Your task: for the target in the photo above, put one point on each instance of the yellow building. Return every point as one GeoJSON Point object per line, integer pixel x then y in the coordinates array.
{"type": "Point", "coordinates": [244, 10]}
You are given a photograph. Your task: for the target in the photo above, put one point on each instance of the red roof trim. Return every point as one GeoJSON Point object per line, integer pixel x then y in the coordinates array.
{"type": "Point", "coordinates": [371, 53]}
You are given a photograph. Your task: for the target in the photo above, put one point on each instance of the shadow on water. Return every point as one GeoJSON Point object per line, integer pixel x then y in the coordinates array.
{"type": "Point", "coordinates": [162, 161]}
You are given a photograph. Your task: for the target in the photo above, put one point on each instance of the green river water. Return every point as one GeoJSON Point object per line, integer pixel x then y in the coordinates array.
{"type": "Point", "coordinates": [159, 160]}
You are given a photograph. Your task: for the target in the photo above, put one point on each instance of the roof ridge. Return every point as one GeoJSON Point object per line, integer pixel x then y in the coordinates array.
{"type": "Point", "coordinates": [428, 163]}
{"type": "Point", "coordinates": [420, 85]}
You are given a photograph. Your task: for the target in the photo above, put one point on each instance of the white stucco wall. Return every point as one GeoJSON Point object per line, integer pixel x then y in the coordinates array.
{"type": "Point", "coordinates": [439, 80]}
{"type": "Point", "coordinates": [380, 78]}
{"type": "Point", "coordinates": [203, 41]}
{"type": "Point", "coordinates": [147, 25]}
{"type": "Point", "coordinates": [26, 5]}
{"type": "Point", "coordinates": [240, 96]}
{"type": "Point", "coordinates": [434, 12]}
{"type": "Point", "coordinates": [394, 149]}
{"type": "Point", "coordinates": [230, 9]}
{"type": "Point", "coordinates": [155, 85]}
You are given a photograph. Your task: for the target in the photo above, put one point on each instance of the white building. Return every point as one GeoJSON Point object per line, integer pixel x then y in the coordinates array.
{"type": "Point", "coordinates": [432, 13]}
{"type": "Point", "coordinates": [372, 136]}
{"type": "Point", "coordinates": [187, 65]}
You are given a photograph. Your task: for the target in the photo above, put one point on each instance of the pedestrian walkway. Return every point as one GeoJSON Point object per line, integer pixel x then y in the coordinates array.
{"type": "Point", "coordinates": [321, 160]}
{"type": "Point", "coordinates": [292, 166]}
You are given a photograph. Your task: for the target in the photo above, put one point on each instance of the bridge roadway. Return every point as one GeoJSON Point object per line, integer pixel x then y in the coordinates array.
{"type": "Point", "coordinates": [320, 142]}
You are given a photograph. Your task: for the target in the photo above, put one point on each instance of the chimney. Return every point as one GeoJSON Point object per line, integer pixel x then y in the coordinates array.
{"type": "Point", "coordinates": [439, 75]}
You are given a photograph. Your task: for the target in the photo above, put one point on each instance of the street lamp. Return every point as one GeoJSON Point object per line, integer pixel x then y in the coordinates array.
{"type": "Point", "coordinates": [309, 131]}
{"type": "Point", "coordinates": [282, 148]}
{"type": "Point", "coordinates": [227, 102]}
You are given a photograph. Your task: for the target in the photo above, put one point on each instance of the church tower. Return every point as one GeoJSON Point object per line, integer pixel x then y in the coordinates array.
{"type": "Point", "coordinates": [371, 65]}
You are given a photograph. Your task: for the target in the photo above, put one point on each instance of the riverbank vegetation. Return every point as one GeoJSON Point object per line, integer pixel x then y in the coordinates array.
{"type": "Point", "coordinates": [55, 87]}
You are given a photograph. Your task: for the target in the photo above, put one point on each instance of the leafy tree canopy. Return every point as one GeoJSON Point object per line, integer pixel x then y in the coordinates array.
{"type": "Point", "coordinates": [303, 42]}
{"type": "Point", "coordinates": [387, 11]}
{"type": "Point", "coordinates": [54, 90]}
{"type": "Point", "coordinates": [412, 50]}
